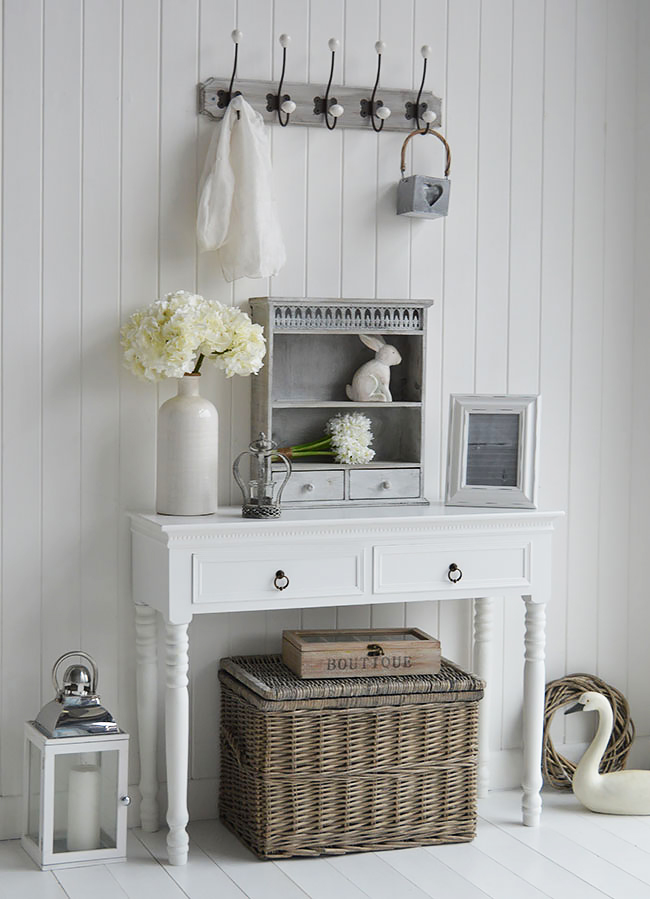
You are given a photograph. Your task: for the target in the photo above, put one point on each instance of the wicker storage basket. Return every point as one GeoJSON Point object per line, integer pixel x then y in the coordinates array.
{"type": "Point", "coordinates": [333, 766]}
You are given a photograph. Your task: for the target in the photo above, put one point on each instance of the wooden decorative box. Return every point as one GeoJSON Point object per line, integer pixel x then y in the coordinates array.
{"type": "Point", "coordinates": [355, 765]}
{"type": "Point", "coordinates": [370, 652]}
{"type": "Point", "coordinates": [313, 351]}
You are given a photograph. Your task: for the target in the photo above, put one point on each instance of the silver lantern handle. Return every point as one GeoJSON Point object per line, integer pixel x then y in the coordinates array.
{"type": "Point", "coordinates": [235, 471]}
{"type": "Point", "coordinates": [73, 655]}
{"type": "Point", "coordinates": [437, 134]}
{"type": "Point", "coordinates": [288, 466]}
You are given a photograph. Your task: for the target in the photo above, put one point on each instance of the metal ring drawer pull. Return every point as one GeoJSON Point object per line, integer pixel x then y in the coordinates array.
{"type": "Point", "coordinates": [280, 576]}
{"type": "Point", "coordinates": [454, 574]}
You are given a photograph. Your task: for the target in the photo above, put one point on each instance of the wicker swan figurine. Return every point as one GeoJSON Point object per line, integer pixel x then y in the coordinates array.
{"type": "Point", "coordinates": [616, 793]}
{"type": "Point", "coordinates": [370, 383]}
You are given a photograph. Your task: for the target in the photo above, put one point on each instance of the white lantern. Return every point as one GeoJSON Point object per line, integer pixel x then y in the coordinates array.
{"type": "Point", "coordinates": [75, 780]}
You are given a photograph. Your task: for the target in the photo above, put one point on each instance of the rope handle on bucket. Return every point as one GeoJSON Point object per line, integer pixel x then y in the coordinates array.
{"type": "Point", "coordinates": [425, 131]}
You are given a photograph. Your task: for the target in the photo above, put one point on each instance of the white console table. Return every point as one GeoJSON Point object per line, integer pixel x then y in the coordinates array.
{"type": "Point", "coordinates": [332, 557]}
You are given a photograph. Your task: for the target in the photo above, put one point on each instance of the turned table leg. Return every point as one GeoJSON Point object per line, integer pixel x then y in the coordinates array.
{"type": "Point", "coordinates": [147, 704]}
{"type": "Point", "coordinates": [177, 725]}
{"type": "Point", "coordinates": [534, 678]}
{"type": "Point", "coordinates": [483, 626]}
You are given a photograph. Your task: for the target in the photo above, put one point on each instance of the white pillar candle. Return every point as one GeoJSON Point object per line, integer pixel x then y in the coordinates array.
{"type": "Point", "coordinates": [83, 808]}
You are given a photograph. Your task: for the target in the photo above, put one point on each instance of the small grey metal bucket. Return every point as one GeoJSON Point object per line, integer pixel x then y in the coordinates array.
{"type": "Point", "coordinates": [424, 196]}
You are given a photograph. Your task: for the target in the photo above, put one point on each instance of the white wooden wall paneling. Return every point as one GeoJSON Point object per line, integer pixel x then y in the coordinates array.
{"type": "Point", "coordinates": [101, 515]}
{"type": "Point", "coordinates": [324, 166]}
{"type": "Point", "coordinates": [359, 177]}
{"type": "Point", "coordinates": [557, 300]}
{"type": "Point", "coordinates": [139, 282]}
{"type": "Point", "coordinates": [526, 143]}
{"type": "Point", "coordinates": [290, 150]}
{"type": "Point", "coordinates": [493, 258]}
{"type": "Point", "coordinates": [61, 448]}
{"type": "Point", "coordinates": [21, 383]}
{"type": "Point", "coordinates": [639, 620]}
{"type": "Point", "coordinates": [587, 342]}
{"type": "Point", "coordinates": [617, 411]}
{"type": "Point", "coordinates": [515, 271]}
{"type": "Point", "coordinates": [393, 231]}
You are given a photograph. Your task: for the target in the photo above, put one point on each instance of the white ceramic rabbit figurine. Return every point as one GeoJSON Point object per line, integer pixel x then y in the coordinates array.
{"type": "Point", "coordinates": [370, 382]}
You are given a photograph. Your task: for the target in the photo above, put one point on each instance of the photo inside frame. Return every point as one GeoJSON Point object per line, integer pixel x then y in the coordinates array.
{"type": "Point", "coordinates": [492, 449]}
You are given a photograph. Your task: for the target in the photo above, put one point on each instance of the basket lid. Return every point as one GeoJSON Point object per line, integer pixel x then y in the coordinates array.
{"type": "Point", "coordinates": [269, 677]}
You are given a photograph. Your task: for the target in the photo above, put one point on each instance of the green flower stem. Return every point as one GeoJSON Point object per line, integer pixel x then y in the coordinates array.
{"type": "Point", "coordinates": [324, 442]}
{"type": "Point", "coordinates": [313, 452]}
{"type": "Point", "coordinates": [199, 361]}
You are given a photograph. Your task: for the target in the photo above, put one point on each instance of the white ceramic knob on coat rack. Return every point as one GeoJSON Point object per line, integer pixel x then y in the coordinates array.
{"type": "Point", "coordinates": [236, 35]}
{"type": "Point", "coordinates": [336, 109]}
{"type": "Point", "coordinates": [428, 116]}
{"type": "Point", "coordinates": [382, 112]}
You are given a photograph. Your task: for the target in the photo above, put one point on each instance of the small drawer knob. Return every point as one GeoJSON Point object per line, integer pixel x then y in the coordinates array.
{"type": "Point", "coordinates": [308, 487]}
{"type": "Point", "coordinates": [386, 485]}
{"type": "Point", "coordinates": [125, 800]}
{"type": "Point", "coordinates": [454, 574]}
{"type": "Point", "coordinates": [280, 581]}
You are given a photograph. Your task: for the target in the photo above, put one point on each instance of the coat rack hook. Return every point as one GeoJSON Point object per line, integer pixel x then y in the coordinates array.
{"type": "Point", "coordinates": [376, 109]}
{"type": "Point", "coordinates": [281, 103]}
{"type": "Point", "coordinates": [329, 106]}
{"type": "Point", "coordinates": [224, 97]}
{"type": "Point", "coordinates": [419, 110]}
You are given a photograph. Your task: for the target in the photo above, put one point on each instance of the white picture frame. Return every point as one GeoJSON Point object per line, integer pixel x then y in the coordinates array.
{"type": "Point", "coordinates": [493, 451]}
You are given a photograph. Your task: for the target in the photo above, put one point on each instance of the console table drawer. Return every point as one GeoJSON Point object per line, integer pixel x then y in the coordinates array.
{"type": "Point", "coordinates": [250, 574]}
{"type": "Point", "coordinates": [426, 568]}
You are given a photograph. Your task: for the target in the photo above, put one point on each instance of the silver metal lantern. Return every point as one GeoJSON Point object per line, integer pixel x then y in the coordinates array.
{"type": "Point", "coordinates": [75, 775]}
{"type": "Point", "coordinates": [424, 196]}
{"type": "Point", "coordinates": [263, 491]}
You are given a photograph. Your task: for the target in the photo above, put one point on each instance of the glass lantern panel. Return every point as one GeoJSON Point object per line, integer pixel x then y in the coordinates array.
{"type": "Point", "coordinates": [34, 793]}
{"type": "Point", "coordinates": [85, 801]}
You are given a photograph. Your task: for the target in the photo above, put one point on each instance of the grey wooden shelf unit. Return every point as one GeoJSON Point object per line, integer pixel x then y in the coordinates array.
{"type": "Point", "coordinates": [313, 350]}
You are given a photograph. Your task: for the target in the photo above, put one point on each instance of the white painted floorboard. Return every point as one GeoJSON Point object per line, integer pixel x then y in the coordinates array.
{"type": "Point", "coordinates": [573, 855]}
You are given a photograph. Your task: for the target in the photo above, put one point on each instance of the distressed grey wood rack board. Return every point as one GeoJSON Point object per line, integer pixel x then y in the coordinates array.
{"type": "Point", "coordinates": [303, 95]}
{"type": "Point", "coordinates": [313, 350]}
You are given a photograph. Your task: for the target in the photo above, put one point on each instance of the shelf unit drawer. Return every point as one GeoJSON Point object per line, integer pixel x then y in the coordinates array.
{"type": "Point", "coordinates": [425, 568]}
{"type": "Point", "coordinates": [227, 575]}
{"type": "Point", "coordinates": [314, 486]}
{"type": "Point", "coordinates": [384, 483]}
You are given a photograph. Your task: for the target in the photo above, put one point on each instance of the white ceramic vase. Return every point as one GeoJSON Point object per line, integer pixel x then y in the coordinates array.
{"type": "Point", "coordinates": [188, 424]}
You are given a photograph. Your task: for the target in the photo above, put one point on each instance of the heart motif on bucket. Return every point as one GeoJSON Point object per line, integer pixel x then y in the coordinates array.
{"type": "Point", "coordinates": [432, 193]}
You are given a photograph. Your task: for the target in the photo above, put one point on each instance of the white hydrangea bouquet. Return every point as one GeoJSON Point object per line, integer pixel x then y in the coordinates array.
{"type": "Point", "coordinates": [172, 337]}
{"type": "Point", "coordinates": [348, 438]}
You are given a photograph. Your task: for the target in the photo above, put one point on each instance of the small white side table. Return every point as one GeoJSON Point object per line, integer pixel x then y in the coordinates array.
{"type": "Point", "coordinates": [332, 557]}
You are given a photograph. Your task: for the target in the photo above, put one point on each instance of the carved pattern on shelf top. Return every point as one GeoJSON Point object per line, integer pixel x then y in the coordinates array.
{"type": "Point", "coordinates": [318, 530]}
{"type": "Point", "coordinates": [349, 317]}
